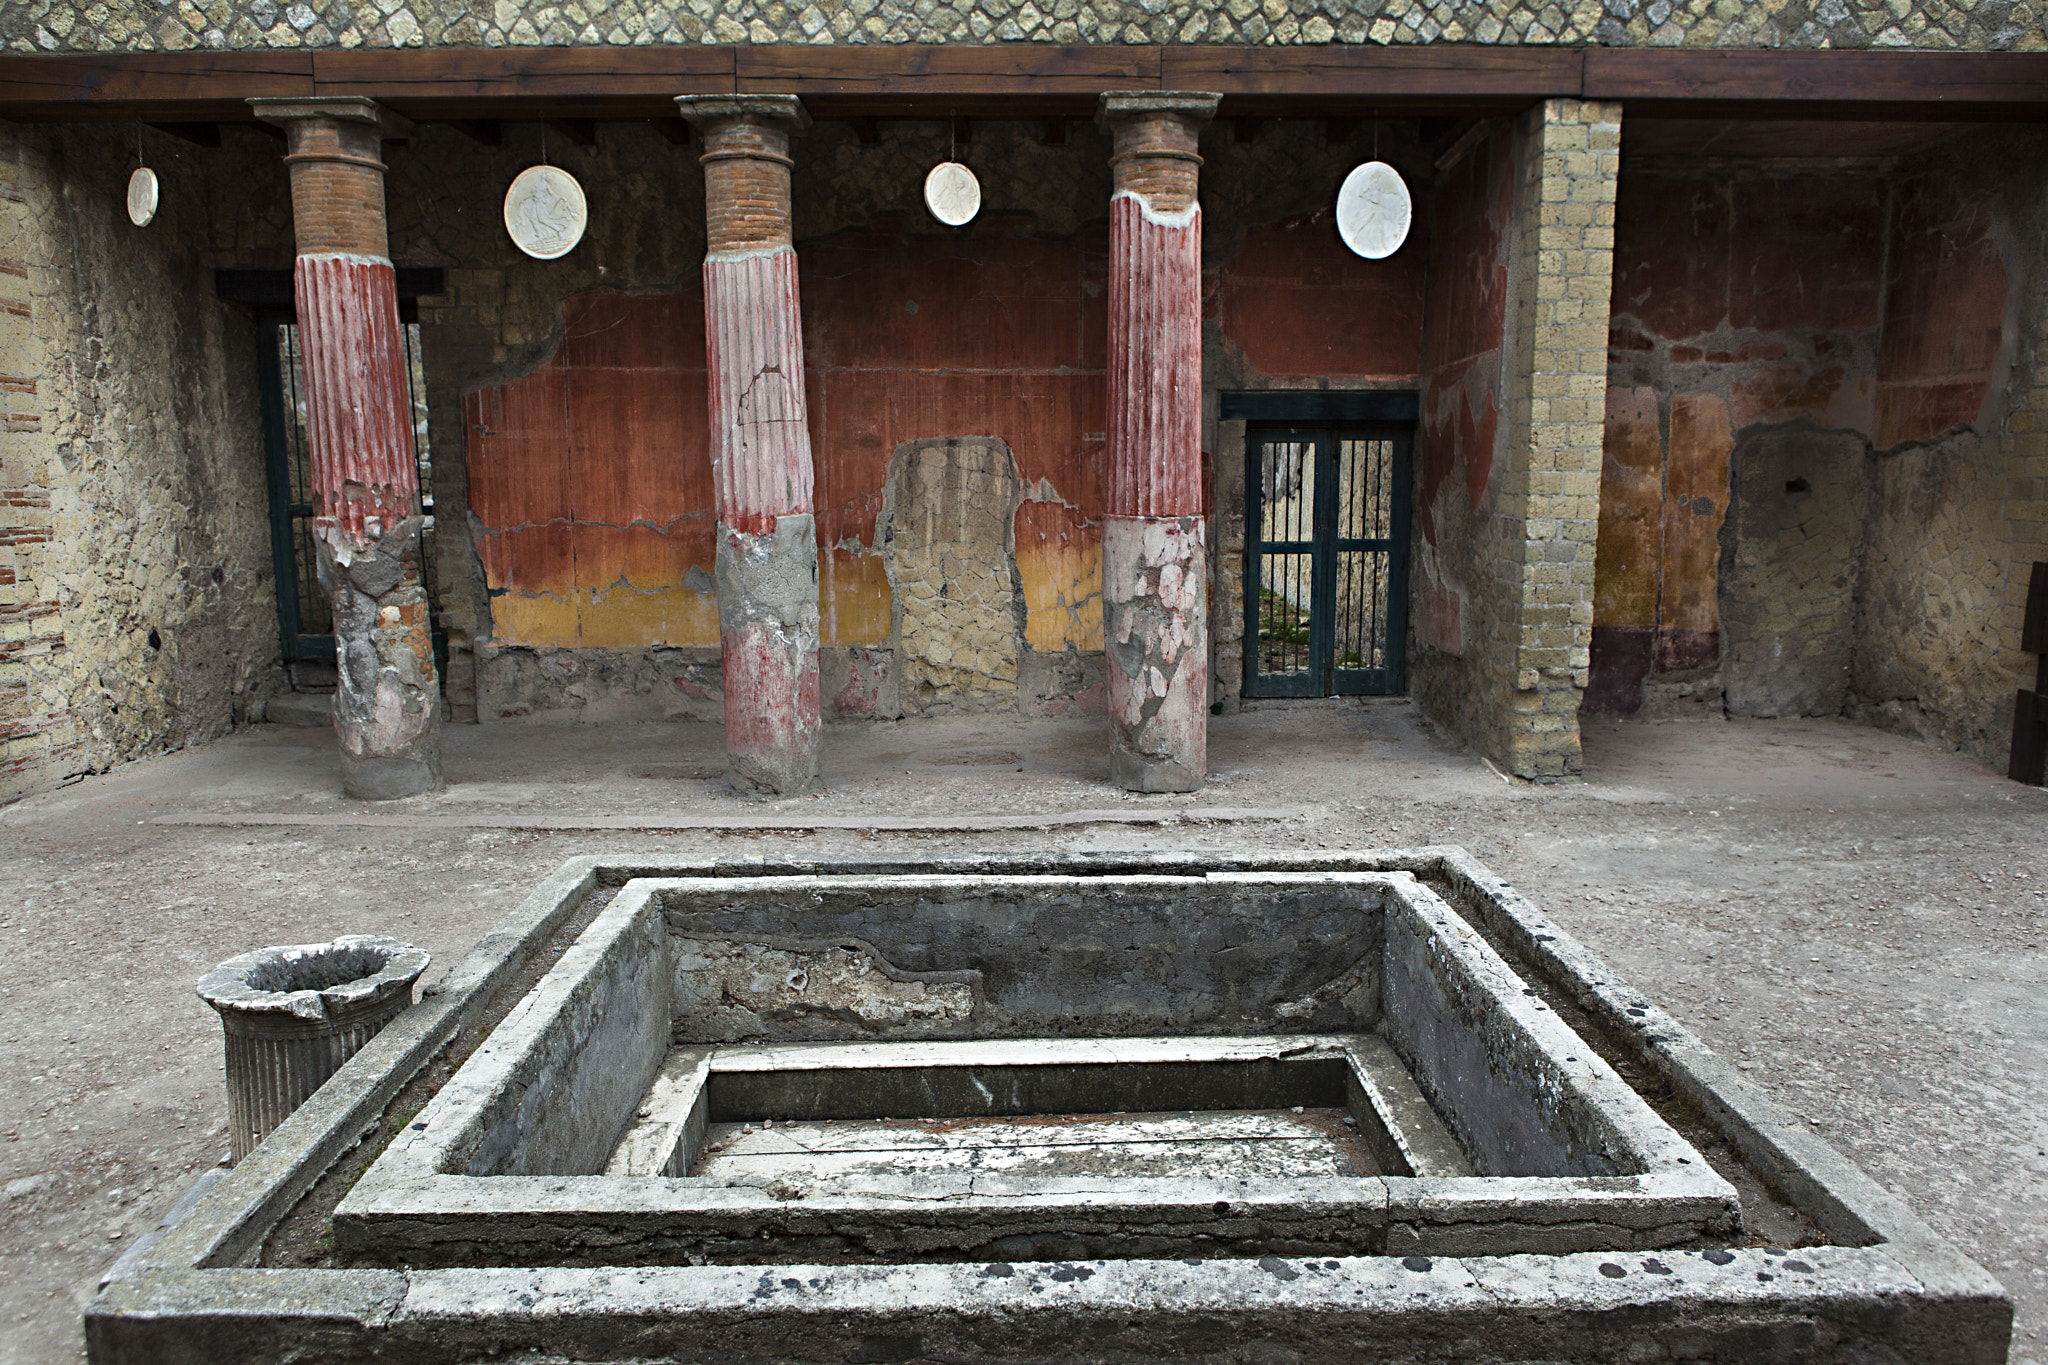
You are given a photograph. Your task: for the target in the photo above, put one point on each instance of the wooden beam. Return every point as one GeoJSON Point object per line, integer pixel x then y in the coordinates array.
{"type": "Point", "coordinates": [1009, 69]}
{"type": "Point", "coordinates": [167, 78]}
{"type": "Point", "coordinates": [1030, 81]}
{"type": "Point", "coordinates": [1388, 75]}
{"type": "Point", "coordinates": [1951, 80]}
{"type": "Point", "coordinates": [525, 73]}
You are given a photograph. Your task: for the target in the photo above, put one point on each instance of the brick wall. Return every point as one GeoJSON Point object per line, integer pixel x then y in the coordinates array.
{"type": "Point", "coordinates": [1557, 388]}
{"type": "Point", "coordinates": [38, 738]}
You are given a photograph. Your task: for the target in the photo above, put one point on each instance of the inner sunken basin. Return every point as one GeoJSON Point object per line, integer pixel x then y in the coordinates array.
{"type": "Point", "coordinates": [1015, 1068]}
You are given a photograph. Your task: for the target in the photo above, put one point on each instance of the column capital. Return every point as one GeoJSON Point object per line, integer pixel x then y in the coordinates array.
{"type": "Point", "coordinates": [342, 109]}
{"type": "Point", "coordinates": [1196, 106]}
{"type": "Point", "coordinates": [703, 111]}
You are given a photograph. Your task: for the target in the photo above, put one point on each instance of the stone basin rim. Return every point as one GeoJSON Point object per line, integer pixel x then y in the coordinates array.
{"type": "Point", "coordinates": [228, 988]}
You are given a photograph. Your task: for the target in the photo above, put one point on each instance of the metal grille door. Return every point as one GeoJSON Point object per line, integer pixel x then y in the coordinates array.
{"type": "Point", "coordinates": [1326, 578]}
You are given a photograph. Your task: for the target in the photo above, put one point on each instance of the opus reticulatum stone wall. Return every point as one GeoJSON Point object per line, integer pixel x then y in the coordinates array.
{"type": "Point", "coordinates": [143, 26]}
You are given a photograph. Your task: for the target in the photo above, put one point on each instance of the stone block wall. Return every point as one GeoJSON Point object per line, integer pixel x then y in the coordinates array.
{"type": "Point", "coordinates": [137, 611]}
{"type": "Point", "coordinates": [145, 25]}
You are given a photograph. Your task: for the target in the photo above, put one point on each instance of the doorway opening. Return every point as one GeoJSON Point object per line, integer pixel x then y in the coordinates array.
{"type": "Point", "coordinates": [1326, 557]}
{"type": "Point", "coordinates": [304, 622]}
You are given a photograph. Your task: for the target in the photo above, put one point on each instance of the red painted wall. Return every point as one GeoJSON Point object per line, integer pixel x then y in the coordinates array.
{"type": "Point", "coordinates": [592, 479]}
{"type": "Point", "coordinates": [1945, 303]}
{"type": "Point", "coordinates": [591, 475]}
{"type": "Point", "coordinates": [1299, 304]}
{"type": "Point", "coordinates": [1850, 301]}
{"type": "Point", "coordinates": [1469, 214]}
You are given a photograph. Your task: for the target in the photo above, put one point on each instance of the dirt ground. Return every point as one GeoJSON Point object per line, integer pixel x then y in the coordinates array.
{"type": "Point", "coordinates": [1858, 920]}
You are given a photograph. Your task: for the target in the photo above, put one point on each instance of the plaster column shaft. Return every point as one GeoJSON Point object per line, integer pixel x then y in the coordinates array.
{"type": "Point", "coordinates": [760, 444]}
{"type": "Point", "coordinates": [1155, 589]}
{"type": "Point", "coordinates": [365, 475]}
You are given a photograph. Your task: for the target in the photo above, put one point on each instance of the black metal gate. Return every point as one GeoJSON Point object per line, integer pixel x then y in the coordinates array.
{"type": "Point", "coordinates": [1326, 572]}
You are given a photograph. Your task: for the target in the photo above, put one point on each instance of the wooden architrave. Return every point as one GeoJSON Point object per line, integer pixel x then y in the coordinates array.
{"type": "Point", "coordinates": [1030, 80]}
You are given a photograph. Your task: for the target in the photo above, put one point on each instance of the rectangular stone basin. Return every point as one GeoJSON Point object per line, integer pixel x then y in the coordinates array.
{"type": "Point", "coordinates": [1028, 1068]}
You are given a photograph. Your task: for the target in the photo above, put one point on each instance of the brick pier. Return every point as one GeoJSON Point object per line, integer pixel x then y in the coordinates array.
{"type": "Point", "coordinates": [1557, 399]}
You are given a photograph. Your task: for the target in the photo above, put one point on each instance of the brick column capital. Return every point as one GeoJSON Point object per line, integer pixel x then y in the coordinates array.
{"type": "Point", "coordinates": [746, 167]}
{"type": "Point", "coordinates": [336, 151]}
{"type": "Point", "coordinates": [1156, 132]}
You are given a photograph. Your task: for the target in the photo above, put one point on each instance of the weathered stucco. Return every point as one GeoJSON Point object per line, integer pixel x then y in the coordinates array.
{"type": "Point", "coordinates": [137, 609]}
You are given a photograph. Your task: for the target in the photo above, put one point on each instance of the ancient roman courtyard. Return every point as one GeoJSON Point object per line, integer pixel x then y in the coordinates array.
{"type": "Point", "coordinates": [1855, 919]}
{"type": "Point", "coordinates": [1041, 682]}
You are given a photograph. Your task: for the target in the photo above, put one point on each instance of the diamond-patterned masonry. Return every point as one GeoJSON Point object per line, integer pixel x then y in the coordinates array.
{"type": "Point", "coordinates": [176, 25]}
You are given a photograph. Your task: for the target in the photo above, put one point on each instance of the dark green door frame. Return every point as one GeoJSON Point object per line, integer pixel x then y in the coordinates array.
{"type": "Point", "coordinates": [1327, 496]}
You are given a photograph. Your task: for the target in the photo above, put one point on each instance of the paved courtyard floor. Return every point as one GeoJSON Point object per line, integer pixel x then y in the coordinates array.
{"type": "Point", "coordinates": [1860, 921]}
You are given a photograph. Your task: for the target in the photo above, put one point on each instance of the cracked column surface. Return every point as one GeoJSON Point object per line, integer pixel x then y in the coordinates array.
{"type": "Point", "coordinates": [760, 444]}
{"type": "Point", "coordinates": [365, 471]}
{"type": "Point", "coordinates": [1155, 588]}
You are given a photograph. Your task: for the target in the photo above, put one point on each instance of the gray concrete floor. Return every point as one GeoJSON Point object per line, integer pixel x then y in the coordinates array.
{"type": "Point", "coordinates": [1858, 920]}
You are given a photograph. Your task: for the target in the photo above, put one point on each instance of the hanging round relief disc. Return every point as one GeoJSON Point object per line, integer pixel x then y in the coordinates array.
{"type": "Point", "coordinates": [545, 212]}
{"type": "Point", "coordinates": [952, 194]}
{"type": "Point", "coordinates": [1374, 211]}
{"type": "Point", "coordinates": [142, 196]}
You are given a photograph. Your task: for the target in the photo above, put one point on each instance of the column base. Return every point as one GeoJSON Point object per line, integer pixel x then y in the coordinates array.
{"type": "Point", "coordinates": [387, 706]}
{"type": "Point", "coordinates": [768, 639]}
{"type": "Point", "coordinates": [388, 777]}
{"type": "Point", "coordinates": [1155, 587]}
{"type": "Point", "coordinates": [1143, 773]}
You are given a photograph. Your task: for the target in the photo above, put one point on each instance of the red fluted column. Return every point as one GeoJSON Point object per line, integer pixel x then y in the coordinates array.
{"type": "Point", "coordinates": [760, 444]}
{"type": "Point", "coordinates": [1155, 587]}
{"type": "Point", "coordinates": [366, 493]}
